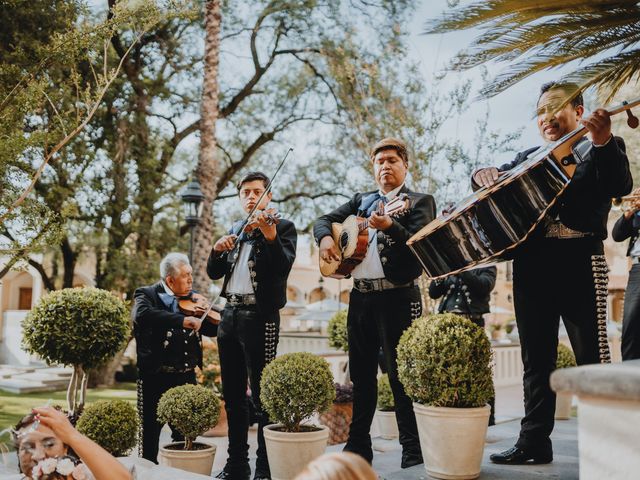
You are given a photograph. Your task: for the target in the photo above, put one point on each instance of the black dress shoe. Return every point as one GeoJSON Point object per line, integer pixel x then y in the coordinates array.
{"type": "Point", "coordinates": [410, 460]}
{"type": "Point", "coordinates": [261, 475]}
{"type": "Point", "coordinates": [518, 456]}
{"type": "Point", "coordinates": [235, 474]}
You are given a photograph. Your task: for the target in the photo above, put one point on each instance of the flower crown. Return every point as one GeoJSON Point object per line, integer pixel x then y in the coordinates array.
{"type": "Point", "coordinates": [56, 468]}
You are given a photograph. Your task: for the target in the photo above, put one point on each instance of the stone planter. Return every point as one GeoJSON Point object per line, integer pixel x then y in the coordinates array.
{"type": "Point", "coordinates": [196, 461]}
{"type": "Point", "coordinates": [222, 427]}
{"type": "Point", "coordinates": [338, 419]}
{"type": "Point", "coordinates": [452, 440]}
{"type": "Point", "coordinates": [563, 406]}
{"type": "Point", "coordinates": [289, 452]}
{"type": "Point", "coordinates": [387, 424]}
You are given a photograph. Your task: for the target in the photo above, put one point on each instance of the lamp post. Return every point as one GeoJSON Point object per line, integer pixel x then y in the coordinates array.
{"type": "Point", "coordinates": [192, 197]}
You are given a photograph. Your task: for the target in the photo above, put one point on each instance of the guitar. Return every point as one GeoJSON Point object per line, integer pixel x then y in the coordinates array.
{"type": "Point", "coordinates": [490, 222]}
{"type": "Point", "coordinates": [352, 238]}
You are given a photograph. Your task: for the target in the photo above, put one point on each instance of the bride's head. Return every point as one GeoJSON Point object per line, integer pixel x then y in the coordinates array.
{"type": "Point", "coordinates": [35, 442]}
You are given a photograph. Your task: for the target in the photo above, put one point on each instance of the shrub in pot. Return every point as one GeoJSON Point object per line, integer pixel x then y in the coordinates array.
{"type": "Point", "coordinates": [294, 387]}
{"type": "Point", "coordinates": [338, 417]}
{"type": "Point", "coordinates": [112, 424]}
{"type": "Point", "coordinates": [386, 414]}
{"type": "Point", "coordinates": [566, 359]}
{"type": "Point", "coordinates": [444, 363]}
{"type": "Point", "coordinates": [82, 327]}
{"type": "Point", "coordinates": [192, 410]}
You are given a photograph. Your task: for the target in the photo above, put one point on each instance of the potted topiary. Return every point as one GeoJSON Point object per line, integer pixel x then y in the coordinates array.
{"type": "Point", "coordinates": [82, 327]}
{"type": "Point", "coordinates": [338, 417]}
{"type": "Point", "coordinates": [385, 413]}
{"type": "Point", "coordinates": [566, 359]}
{"type": "Point", "coordinates": [444, 363]}
{"type": "Point", "coordinates": [192, 410]}
{"type": "Point", "coordinates": [294, 387]}
{"type": "Point", "coordinates": [112, 424]}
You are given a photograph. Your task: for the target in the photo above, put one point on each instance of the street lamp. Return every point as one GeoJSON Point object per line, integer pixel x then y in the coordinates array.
{"type": "Point", "coordinates": [192, 197]}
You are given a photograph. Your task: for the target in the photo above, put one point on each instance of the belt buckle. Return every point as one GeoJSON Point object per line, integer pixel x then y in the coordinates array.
{"type": "Point", "coordinates": [364, 286]}
{"type": "Point", "coordinates": [234, 299]}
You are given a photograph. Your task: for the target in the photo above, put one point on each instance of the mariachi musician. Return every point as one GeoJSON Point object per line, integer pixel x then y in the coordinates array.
{"type": "Point", "coordinates": [167, 344]}
{"type": "Point", "coordinates": [561, 271]}
{"type": "Point", "coordinates": [255, 262]}
{"type": "Point", "coordinates": [385, 297]}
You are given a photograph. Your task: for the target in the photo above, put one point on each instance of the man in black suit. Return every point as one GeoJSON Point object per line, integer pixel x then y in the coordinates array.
{"type": "Point", "coordinates": [255, 267]}
{"type": "Point", "coordinates": [628, 226]}
{"type": "Point", "coordinates": [385, 297]}
{"type": "Point", "coordinates": [167, 344]}
{"type": "Point", "coordinates": [561, 269]}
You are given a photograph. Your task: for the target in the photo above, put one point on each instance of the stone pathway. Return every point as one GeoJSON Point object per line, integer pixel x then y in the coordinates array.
{"type": "Point", "coordinates": [17, 379]}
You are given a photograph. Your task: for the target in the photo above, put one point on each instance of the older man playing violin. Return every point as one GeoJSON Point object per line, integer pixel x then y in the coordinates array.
{"type": "Point", "coordinates": [167, 344]}
{"type": "Point", "coordinates": [255, 259]}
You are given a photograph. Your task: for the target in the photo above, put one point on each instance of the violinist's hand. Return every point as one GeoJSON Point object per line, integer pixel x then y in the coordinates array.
{"type": "Point", "coordinates": [192, 323]}
{"type": "Point", "coordinates": [267, 227]}
{"type": "Point", "coordinates": [380, 222]}
{"type": "Point", "coordinates": [328, 250]}
{"type": "Point", "coordinates": [225, 243]}
{"type": "Point", "coordinates": [485, 177]}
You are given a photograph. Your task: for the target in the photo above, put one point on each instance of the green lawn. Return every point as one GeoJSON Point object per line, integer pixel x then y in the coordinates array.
{"type": "Point", "coordinates": [14, 406]}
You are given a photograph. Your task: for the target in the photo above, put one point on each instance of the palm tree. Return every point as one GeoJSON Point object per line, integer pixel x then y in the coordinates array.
{"type": "Point", "coordinates": [601, 35]}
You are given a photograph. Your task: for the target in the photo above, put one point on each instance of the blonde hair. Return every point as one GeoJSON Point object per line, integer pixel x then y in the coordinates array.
{"type": "Point", "coordinates": [338, 466]}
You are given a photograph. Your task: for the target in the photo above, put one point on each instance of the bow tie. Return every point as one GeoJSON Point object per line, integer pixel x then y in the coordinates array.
{"type": "Point", "coordinates": [372, 203]}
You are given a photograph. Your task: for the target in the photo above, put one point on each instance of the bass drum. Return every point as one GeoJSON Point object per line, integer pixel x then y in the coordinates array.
{"type": "Point", "coordinates": [490, 222]}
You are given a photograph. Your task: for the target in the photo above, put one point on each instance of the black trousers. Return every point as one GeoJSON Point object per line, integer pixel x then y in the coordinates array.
{"type": "Point", "coordinates": [150, 389]}
{"type": "Point", "coordinates": [555, 278]}
{"type": "Point", "coordinates": [631, 320]}
{"type": "Point", "coordinates": [375, 320]}
{"type": "Point", "coordinates": [247, 341]}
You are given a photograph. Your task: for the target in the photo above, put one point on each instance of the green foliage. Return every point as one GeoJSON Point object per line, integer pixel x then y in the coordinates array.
{"type": "Point", "coordinates": [112, 424]}
{"type": "Point", "coordinates": [445, 361]}
{"type": "Point", "coordinates": [337, 330]}
{"type": "Point", "coordinates": [77, 326]}
{"type": "Point", "coordinates": [566, 358]}
{"type": "Point", "coordinates": [386, 402]}
{"type": "Point", "coordinates": [190, 409]}
{"type": "Point", "coordinates": [294, 387]}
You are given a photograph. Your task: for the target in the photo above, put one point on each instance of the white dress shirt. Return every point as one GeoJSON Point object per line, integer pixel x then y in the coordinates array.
{"type": "Point", "coordinates": [371, 266]}
{"type": "Point", "coordinates": [240, 280]}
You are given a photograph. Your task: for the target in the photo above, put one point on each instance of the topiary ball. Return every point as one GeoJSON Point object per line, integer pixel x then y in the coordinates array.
{"type": "Point", "coordinates": [566, 358]}
{"type": "Point", "coordinates": [294, 387]}
{"type": "Point", "coordinates": [445, 361]}
{"type": "Point", "coordinates": [190, 409]}
{"type": "Point", "coordinates": [385, 395]}
{"type": "Point", "coordinates": [77, 326]}
{"type": "Point", "coordinates": [337, 331]}
{"type": "Point", "coordinates": [112, 424]}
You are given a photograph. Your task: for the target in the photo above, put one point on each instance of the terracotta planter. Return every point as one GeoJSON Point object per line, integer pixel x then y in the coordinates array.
{"type": "Point", "coordinates": [563, 406]}
{"type": "Point", "coordinates": [338, 419]}
{"type": "Point", "coordinates": [452, 440]}
{"type": "Point", "coordinates": [222, 427]}
{"type": "Point", "coordinates": [289, 453]}
{"type": "Point", "coordinates": [196, 461]}
{"type": "Point", "coordinates": [387, 424]}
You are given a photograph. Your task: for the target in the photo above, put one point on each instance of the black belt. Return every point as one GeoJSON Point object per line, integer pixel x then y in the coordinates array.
{"type": "Point", "coordinates": [240, 300]}
{"type": "Point", "coordinates": [365, 285]}
{"type": "Point", "coordinates": [166, 369]}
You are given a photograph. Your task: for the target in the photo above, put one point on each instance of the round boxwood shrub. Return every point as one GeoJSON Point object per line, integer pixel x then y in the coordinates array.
{"type": "Point", "coordinates": [385, 395]}
{"type": "Point", "coordinates": [294, 387]}
{"type": "Point", "coordinates": [337, 331]}
{"type": "Point", "coordinates": [566, 358]}
{"type": "Point", "coordinates": [445, 361]}
{"type": "Point", "coordinates": [190, 409]}
{"type": "Point", "coordinates": [112, 424]}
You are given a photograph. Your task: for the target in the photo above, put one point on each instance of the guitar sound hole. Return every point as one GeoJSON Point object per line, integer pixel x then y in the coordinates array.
{"type": "Point", "coordinates": [344, 240]}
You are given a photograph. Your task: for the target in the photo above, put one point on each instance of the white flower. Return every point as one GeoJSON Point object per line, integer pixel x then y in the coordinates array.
{"type": "Point", "coordinates": [36, 472]}
{"type": "Point", "coordinates": [65, 466]}
{"type": "Point", "coordinates": [49, 465]}
{"type": "Point", "coordinates": [81, 472]}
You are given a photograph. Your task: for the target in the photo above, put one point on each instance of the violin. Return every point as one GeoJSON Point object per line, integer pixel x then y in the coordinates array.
{"type": "Point", "coordinates": [273, 218]}
{"type": "Point", "coordinates": [195, 305]}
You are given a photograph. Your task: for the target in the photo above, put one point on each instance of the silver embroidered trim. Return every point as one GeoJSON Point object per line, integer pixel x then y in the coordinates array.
{"type": "Point", "coordinates": [600, 271]}
{"type": "Point", "coordinates": [416, 310]}
{"type": "Point", "coordinates": [141, 423]}
{"type": "Point", "coordinates": [270, 341]}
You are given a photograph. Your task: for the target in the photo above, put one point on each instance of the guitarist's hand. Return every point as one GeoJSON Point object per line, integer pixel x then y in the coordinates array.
{"type": "Point", "coordinates": [380, 222]}
{"type": "Point", "coordinates": [329, 250]}
{"type": "Point", "coordinates": [599, 126]}
{"type": "Point", "coordinates": [485, 177]}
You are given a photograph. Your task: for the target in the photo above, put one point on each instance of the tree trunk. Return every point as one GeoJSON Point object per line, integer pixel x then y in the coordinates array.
{"type": "Point", "coordinates": [207, 170]}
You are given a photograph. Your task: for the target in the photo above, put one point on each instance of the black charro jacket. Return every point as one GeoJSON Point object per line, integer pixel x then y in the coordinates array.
{"type": "Point", "coordinates": [466, 292]}
{"type": "Point", "coordinates": [269, 265]}
{"type": "Point", "coordinates": [601, 174]}
{"type": "Point", "coordinates": [160, 339]}
{"type": "Point", "coordinates": [626, 228]}
{"type": "Point", "coordinates": [398, 262]}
